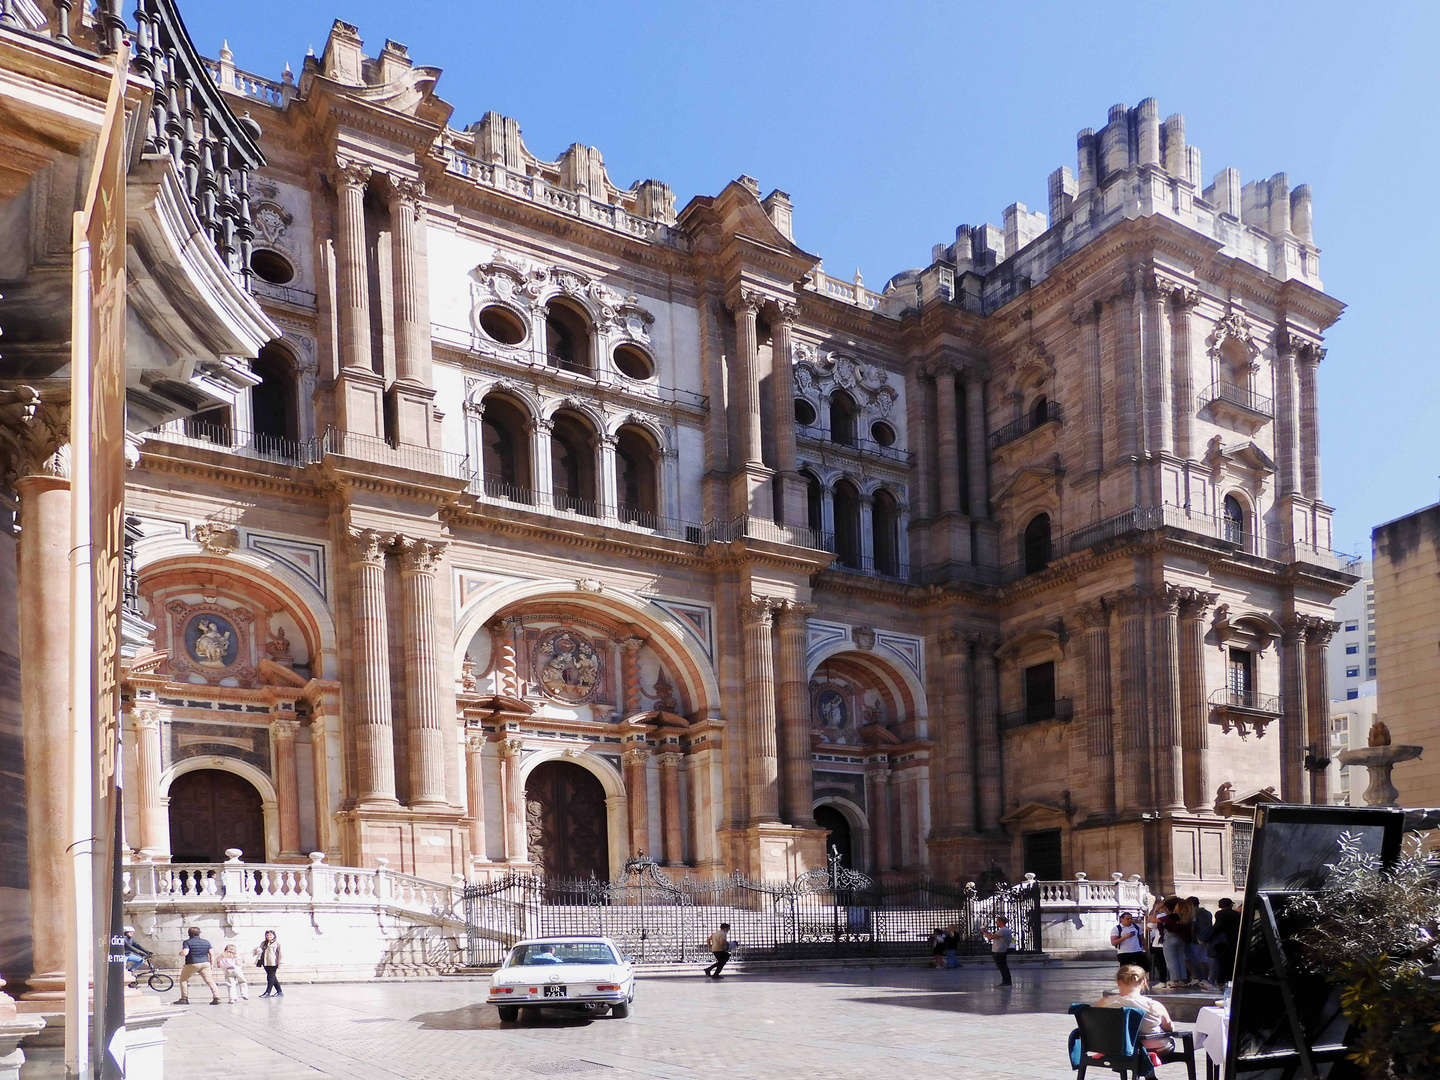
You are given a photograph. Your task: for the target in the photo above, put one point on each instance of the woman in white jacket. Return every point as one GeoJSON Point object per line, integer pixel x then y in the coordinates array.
{"type": "Point", "coordinates": [268, 957]}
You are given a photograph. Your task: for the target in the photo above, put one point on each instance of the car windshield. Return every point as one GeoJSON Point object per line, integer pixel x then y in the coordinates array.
{"type": "Point", "coordinates": [561, 952]}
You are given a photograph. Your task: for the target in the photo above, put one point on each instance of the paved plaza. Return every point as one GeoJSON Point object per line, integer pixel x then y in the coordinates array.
{"type": "Point", "coordinates": [909, 1023]}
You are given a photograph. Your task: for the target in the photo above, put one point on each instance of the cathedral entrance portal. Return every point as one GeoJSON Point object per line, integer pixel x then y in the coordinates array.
{"type": "Point", "coordinates": [839, 840]}
{"type": "Point", "coordinates": [211, 810]}
{"type": "Point", "coordinates": [565, 826]}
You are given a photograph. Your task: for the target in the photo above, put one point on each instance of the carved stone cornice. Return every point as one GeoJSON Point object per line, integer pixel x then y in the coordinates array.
{"type": "Point", "coordinates": [34, 433]}
{"type": "Point", "coordinates": [368, 546]}
{"type": "Point", "coordinates": [420, 556]}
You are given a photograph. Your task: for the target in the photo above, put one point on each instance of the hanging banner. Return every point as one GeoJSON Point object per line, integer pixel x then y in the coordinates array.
{"type": "Point", "coordinates": [98, 403]}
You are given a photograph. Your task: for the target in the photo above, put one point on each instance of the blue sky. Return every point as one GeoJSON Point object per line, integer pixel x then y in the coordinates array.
{"type": "Point", "coordinates": [890, 124]}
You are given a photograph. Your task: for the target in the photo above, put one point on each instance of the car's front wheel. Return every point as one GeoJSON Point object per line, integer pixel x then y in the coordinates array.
{"type": "Point", "coordinates": [621, 1011]}
{"type": "Point", "coordinates": [508, 1013]}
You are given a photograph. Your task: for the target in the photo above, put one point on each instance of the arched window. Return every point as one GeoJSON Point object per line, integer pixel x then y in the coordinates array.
{"type": "Point", "coordinates": [572, 463]}
{"type": "Point", "coordinates": [847, 525]}
{"type": "Point", "coordinates": [567, 338]}
{"type": "Point", "coordinates": [843, 414]}
{"type": "Point", "coordinates": [273, 403]}
{"type": "Point", "coordinates": [1235, 530]}
{"type": "Point", "coordinates": [1039, 412]}
{"type": "Point", "coordinates": [1037, 543]}
{"type": "Point", "coordinates": [814, 503]}
{"type": "Point", "coordinates": [885, 522]}
{"type": "Point", "coordinates": [505, 450]}
{"type": "Point", "coordinates": [637, 476]}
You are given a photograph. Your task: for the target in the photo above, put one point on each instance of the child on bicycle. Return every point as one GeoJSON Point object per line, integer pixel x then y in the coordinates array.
{"type": "Point", "coordinates": [135, 955]}
{"type": "Point", "coordinates": [234, 973]}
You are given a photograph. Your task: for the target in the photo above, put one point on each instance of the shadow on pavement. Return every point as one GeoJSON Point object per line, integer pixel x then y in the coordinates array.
{"type": "Point", "coordinates": [482, 1016]}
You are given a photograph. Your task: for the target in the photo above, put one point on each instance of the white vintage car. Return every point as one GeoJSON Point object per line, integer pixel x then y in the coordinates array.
{"type": "Point", "coordinates": [584, 974]}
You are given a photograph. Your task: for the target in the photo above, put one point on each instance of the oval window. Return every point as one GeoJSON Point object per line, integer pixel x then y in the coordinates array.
{"type": "Point", "coordinates": [271, 266]}
{"type": "Point", "coordinates": [804, 412]}
{"type": "Point", "coordinates": [502, 324]}
{"type": "Point", "coordinates": [882, 433]}
{"type": "Point", "coordinates": [633, 363]}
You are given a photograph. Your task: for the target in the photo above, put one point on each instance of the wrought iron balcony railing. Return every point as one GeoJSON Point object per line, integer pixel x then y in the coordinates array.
{"type": "Point", "coordinates": [1242, 397]}
{"type": "Point", "coordinates": [1033, 419]}
{"type": "Point", "coordinates": [1248, 700]}
{"type": "Point", "coordinates": [213, 150]}
{"type": "Point", "coordinates": [872, 566]}
{"type": "Point", "coordinates": [820, 435]}
{"type": "Point", "coordinates": [1062, 709]}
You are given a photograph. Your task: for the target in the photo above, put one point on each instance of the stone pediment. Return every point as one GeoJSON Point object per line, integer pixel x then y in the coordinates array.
{"type": "Point", "coordinates": [1030, 479]}
{"type": "Point", "coordinates": [1036, 812]}
{"type": "Point", "coordinates": [1245, 456]}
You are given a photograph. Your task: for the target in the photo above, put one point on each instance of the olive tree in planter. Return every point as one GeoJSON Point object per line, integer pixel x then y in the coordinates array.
{"type": "Point", "coordinates": [1375, 933]}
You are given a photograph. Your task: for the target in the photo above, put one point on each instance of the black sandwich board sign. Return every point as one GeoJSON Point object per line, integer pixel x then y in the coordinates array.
{"type": "Point", "coordinates": [1286, 1024]}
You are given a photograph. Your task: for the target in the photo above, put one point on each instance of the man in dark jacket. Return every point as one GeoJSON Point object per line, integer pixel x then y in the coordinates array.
{"type": "Point", "coordinates": [1224, 940]}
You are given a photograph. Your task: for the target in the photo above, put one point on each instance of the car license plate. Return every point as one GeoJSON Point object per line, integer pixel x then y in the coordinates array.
{"type": "Point", "coordinates": [555, 991]}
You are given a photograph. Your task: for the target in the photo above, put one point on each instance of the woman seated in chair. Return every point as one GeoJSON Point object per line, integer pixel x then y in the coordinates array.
{"type": "Point", "coordinates": [1130, 984]}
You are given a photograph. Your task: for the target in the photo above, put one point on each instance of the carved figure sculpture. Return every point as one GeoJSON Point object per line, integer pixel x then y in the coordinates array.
{"type": "Point", "coordinates": [212, 644]}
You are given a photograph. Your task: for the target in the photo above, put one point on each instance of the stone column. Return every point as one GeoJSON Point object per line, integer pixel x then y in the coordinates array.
{"type": "Point", "coordinates": [956, 736]}
{"type": "Point", "coordinates": [542, 466]}
{"type": "Point", "coordinates": [370, 670]}
{"type": "Point", "coordinates": [977, 448]}
{"type": "Point", "coordinates": [1307, 362]}
{"type": "Point", "coordinates": [1134, 722]}
{"type": "Point", "coordinates": [757, 614]}
{"type": "Point", "coordinates": [630, 674]}
{"type": "Point", "coordinates": [412, 360]}
{"type": "Point", "coordinates": [352, 264]}
{"type": "Point", "coordinates": [419, 560]}
{"type": "Point", "coordinates": [637, 795]}
{"type": "Point", "coordinates": [790, 619]}
{"type": "Point", "coordinates": [475, 792]}
{"type": "Point", "coordinates": [37, 460]}
{"type": "Point", "coordinates": [1317, 701]}
{"type": "Point", "coordinates": [608, 485]}
{"type": "Point", "coordinates": [1194, 701]}
{"type": "Point", "coordinates": [792, 499]}
{"type": "Point", "coordinates": [1127, 372]}
{"type": "Point", "coordinates": [1287, 419]}
{"type": "Point", "coordinates": [1169, 753]}
{"type": "Point", "coordinates": [867, 531]}
{"type": "Point", "coordinates": [1294, 719]}
{"type": "Point", "coordinates": [502, 646]}
{"type": "Point", "coordinates": [878, 773]}
{"type": "Point", "coordinates": [149, 814]}
{"type": "Point", "coordinates": [745, 309]}
{"type": "Point", "coordinates": [1086, 316]}
{"type": "Point", "coordinates": [1099, 707]}
{"type": "Point", "coordinates": [287, 785]}
{"type": "Point", "coordinates": [947, 439]}
{"type": "Point", "coordinates": [1159, 403]}
{"type": "Point", "coordinates": [1184, 301]}
{"type": "Point", "coordinates": [673, 825]}
{"type": "Point", "coordinates": [987, 730]}
{"type": "Point", "coordinates": [513, 805]}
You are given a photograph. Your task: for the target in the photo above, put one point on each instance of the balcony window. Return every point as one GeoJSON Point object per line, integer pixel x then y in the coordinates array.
{"type": "Point", "coordinates": [847, 525]}
{"type": "Point", "coordinates": [567, 338]}
{"type": "Point", "coordinates": [1234, 515]}
{"type": "Point", "coordinates": [1040, 692]}
{"type": "Point", "coordinates": [572, 463]}
{"type": "Point", "coordinates": [843, 414]}
{"type": "Point", "coordinates": [273, 402]}
{"type": "Point", "coordinates": [1240, 676]}
{"type": "Point", "coordinates": [1036, 544]}
{"type": "Point", "coordinates": [505, 449]}
{"type": "Point", "coordinates": [885, 521]}
{"type": "Point", "coordinates": [637, 460]}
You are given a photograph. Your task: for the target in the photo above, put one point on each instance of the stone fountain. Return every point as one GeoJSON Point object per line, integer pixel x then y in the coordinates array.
{"type": "Point", "coordinates": [1380, 757]}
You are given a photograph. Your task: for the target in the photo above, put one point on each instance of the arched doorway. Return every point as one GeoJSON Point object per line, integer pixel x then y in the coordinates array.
{"type": "Point", "coordinates": [565, 827]}
{"type": "Point", "coordinates": [211, 810]}
{"type": "Point", "coordinates": [839, 840]}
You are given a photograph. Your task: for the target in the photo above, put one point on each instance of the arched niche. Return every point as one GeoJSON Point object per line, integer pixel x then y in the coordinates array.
{"type": "Point", "coordinates": [262, 783]}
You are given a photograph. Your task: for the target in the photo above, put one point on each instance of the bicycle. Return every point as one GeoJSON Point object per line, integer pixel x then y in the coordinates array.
{"type": "Point", "coordinates": [157, 980]}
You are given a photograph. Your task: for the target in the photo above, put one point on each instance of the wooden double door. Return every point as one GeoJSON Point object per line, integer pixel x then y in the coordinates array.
{"type": "Point", "coordinates": [565, 827]}
{"type": "Point", "coordinates": [211, 810]}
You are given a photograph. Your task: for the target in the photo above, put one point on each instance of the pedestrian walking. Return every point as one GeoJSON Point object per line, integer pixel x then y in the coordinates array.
{"type": "Point", "coordinates": [1129, 941]}
{"type": "Point", "coordinates": [1197, 958]}
{"type": "Point", "coordinates": [952, 946]}
{"type": "Point", "coordinates": [1224, 938]}
{"type": "Point", "coordinates": [1175, 940]}
{"type": "Point", "coordinates": [267, 956]}
{"type": "Point", "coordinates": [937, 948]}
{"type": "Point", "coordinates": [196, 951]}
{"type": "Point", "coordinates": [1158, 971]}
{"type": "Point", "coordinates": [720, 948]}
{"type": "Point", "coordinates": [1000, 941]}
{"type": "Point", "coordinates": [233, 972]}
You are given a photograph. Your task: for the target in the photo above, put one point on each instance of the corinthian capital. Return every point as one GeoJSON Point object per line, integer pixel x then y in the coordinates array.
{"type": "Point", "coordinates": [1194, 603]}
{"type": "Point", "coordinates": [953, 641]}
{"type": "Point", "coordinates": [420, 556]}
{"type": "Point", "coordinates": [348, 173]}
{"type": "Point", "coordinates": [792, 613]}
{"type": "Point", "coordinates": [406, 190]}
{"type": "Point", "coordinates": [745, 301]}
{"type": "Point", "coordinates": [368, 546]}
{"type": "Point", "coordinates": [783, 311]}
{"type": "Point", "coordinates": [34, 433]}
{"type": "Point", "coordinates": [758, 611]}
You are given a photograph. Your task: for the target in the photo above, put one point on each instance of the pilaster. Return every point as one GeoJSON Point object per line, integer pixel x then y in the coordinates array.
{"type": "Point", "coordinates": [1134, 719]}
{"type": "Point", "coordinates": [956, 737]}
{"type": "Point", "coordinates": [283, 731]}
{"type": "Point", "coordinates": [1195, 735]}
{"type": "Point", "coordinates": [671, 811]}
{"type": "Point", "coordinates": [1169, 753]}
{"type": "Point", "coordinates": [370, 670]}
{"type": "Point", "coordinates": [1099, 706]}
{"type": "Point", "coordinates": [475, 794]}
{"type": "Point", "coordinates": [790, 620]}
{"type": "Point", "coordinates": [1318, 633]}
{"type": "Point", "coordinates": [1294, 717]}
{"type": "Point", "coordinates": [757, 614]}
{"type": "Point", "coordinates": [419, 561]}
{"type": "Point", "coordinates": [987, 730]}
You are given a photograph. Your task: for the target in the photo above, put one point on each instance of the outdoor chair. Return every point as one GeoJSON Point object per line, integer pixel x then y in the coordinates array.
{"type": "Point", "coordinates": [1114, 1035]}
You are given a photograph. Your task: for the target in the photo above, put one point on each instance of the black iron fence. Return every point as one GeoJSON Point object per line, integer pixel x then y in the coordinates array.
{"type": "Point", "coordinates": [829, 913]}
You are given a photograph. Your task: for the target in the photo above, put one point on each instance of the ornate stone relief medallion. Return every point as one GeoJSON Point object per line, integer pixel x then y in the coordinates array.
{"type": "Point", "coordinates": [566, 665]}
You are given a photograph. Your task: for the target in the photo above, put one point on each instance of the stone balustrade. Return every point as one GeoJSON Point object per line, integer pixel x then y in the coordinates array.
{"type": "Point", "coordinates": [1076, 916]}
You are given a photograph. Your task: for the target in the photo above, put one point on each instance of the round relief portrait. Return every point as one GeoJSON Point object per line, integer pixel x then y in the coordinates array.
{"type": "Point", "coordinates": [211, 641]}
{"type": "Point", "coordinates": [567, 666]}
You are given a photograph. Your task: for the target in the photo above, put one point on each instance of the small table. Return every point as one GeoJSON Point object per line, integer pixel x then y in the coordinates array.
{"type": "Point", "coordinates": [1212, 1026]}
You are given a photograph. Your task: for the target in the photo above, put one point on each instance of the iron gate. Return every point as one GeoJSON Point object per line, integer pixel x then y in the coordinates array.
{"type": "Point", "coordinates": [826, 913]}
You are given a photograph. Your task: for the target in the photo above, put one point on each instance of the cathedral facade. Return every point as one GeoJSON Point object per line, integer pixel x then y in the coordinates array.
{"type": "Point", "coordinates": [560, 523]}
